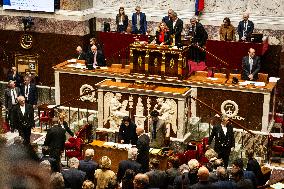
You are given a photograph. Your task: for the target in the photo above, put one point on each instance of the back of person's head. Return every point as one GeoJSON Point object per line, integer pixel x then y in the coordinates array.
{"type": "Point", "coordinates": [18, 140]}
{"type": "Point", "coordinates": [154, 163]}
{"type": "Point", "coordinates": [250, 153]}
{"type": "Point", "coordinates": [105, 162]}
{"type": "Point", "coordinates": [222, 173]}
{"type": "Point", "coordinates": [87, 184]}
{"type": "Point", "coordinates": [174, 161]}
{"type": "Point", "coordinates": [132, 153]}
{"type": "Point", "coordinates": [139, 130]}
{"type": "Point", "coordinates": [237, 174]}
{"type": "Point", "coordinates": [89, 153]}
{"type": "Point", "coordinates": [73, 162]}
{"type": "Point", "coordinates": [203, 174]}
{"type": "Point", "coordinates": [57, 181]}
{"type": "Point", "coordinates": [238, 163]}
{"type": "Point", "coordinates": [217, 163]}
{"type": "Point", "coordinates": [141, 181]}
{"type": "Point", "coordinates": [210, 153]}
{"type": "Point", "coordinates": [193, 164]}
{"type": "Point", "coordinates": [183, 168]}
{"type": "Point", "coordinates": [45, 164]}
{"type": "Point", "coordinates": [127, 180]}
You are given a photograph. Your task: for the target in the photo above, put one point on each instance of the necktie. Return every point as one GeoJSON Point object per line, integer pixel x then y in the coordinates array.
{"type": "Point", "coordinates": [245, 29]}
{"type": "Point", "coordinates": [27, 91]}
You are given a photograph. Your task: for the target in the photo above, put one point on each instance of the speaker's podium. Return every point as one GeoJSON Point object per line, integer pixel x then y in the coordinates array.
{"type": "Point", "coordinates": [159, 60]}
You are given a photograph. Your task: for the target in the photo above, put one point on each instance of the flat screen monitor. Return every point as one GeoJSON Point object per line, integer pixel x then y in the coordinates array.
{"type": "Point", "coordinates": [29, 5]}
{"type": "Point", "coordinates": [256, 37]}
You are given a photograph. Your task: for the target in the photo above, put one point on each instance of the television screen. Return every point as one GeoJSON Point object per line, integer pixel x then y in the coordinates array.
{"type": "Point", "coordinates": [29, 5]}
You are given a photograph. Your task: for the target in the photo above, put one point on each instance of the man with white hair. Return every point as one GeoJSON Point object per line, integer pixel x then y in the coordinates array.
{"type": "Point", "coordinates": [131, 163]}
{"type": "Point", "coordinates": [81, 53]}
{"type": "Point", "coordinates": [245, 28]}
{"type": "Point", "coordinates": [22, 119]}
{"type": "Point", "coordinates": [88, 165]}
{"type": "Point", "coordinates": [73, 178]}
{"type": "Point", "coordinates": [95, 58]}
{"type": "Point", "coordinates": [143, 143]}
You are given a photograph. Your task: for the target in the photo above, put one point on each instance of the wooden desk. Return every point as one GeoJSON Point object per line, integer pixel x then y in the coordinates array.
{"type": "Point", "coordinates": [117, 155]}
{"type": "Point", "coordinates": [159, 60]}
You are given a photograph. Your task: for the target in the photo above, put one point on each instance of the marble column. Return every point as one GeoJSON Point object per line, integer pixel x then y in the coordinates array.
{"type": "Point", "coordinates": [76, 5]}
{"type": "Point", "coordinates": [100, 114]}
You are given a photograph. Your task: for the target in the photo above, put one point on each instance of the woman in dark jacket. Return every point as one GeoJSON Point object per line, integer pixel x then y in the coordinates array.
{"type": "Point", "coordinates": [127, 132]}
{"type": "Point", "coordinates": [121, 20]}
{"type": "Point", "coordinates": [163, 34]}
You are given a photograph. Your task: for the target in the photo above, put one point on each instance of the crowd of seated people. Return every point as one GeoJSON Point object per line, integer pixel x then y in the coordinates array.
{"type": "Point", "coordinates": [22, 167]}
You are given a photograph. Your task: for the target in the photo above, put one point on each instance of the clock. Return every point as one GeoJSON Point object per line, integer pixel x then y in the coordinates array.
{"type": "Point", "coordinates": [26, 41]}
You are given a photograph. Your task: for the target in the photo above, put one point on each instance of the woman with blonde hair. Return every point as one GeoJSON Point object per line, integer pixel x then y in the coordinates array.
{"type": "Point", "coordinates": [121, 20]}
{"type": "Point", "coordinates": [104, 175]}
{"type": "Point", "coordinates": [163, 34]}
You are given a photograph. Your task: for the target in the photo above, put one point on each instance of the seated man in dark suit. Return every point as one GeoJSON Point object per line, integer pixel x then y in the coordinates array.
{"type": "Point", "coordinates": [81, 53]}
{"type": "Point", "coordinates": [250, 66]}
{"type": "Point", "coordinates": [88, 165]}
{"type": "Point", "coordinates": [95, 58]}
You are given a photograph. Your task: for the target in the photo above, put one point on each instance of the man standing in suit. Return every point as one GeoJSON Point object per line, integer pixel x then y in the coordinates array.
{"type": "Point", "coordinates": [14, 76]}
{"type": "Point", "coordinates": [127, 131]}
{"type": "Point", "coordinates": [250, 66]}
{"type": "Point", "coordinates": [245, 28]}
{"type": "Point", "coordinates": [29, 91]}
{"type": "Point", "coordinates": [168, 18]}
{"type": "Point", "coordinates": [95, 58]}
{"type": "Point", "coordinates": [22, 119]}
{"type": "Point", "coordinates": [175, 26]}
{"type": "Point", "coordinates": [143, 149]}
{"type": "Point", "coordinates": [11, 95]}
{"type": "Point", "coordinates": [131, 163]}
{"type": "Point", "coordinates": [55, 140]}
{"type": "Point", "coordinates": [139, 22]}
{"type": "Point", "coordinates": [224, 139]}
{"type": "Point", "coordinates": [81, 53]}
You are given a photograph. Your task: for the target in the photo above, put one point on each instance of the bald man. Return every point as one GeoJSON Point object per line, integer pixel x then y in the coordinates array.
{"type": "Point", "coordinates": [143, 143]}
{"type": "Point", "coordinates": [23, 119]}
{"type": "Point", "coordinates": [250, 66]}
{"type": "Point", "coordinates": [245, 28]}
{"type": "Point", "coordinates": [203, 175]}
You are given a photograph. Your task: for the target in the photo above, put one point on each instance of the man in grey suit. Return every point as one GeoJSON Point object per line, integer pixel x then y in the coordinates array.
{"type": "Point", "coordinates": [11, 95]}
{"type": "Point", "coordinates": [250, 66]}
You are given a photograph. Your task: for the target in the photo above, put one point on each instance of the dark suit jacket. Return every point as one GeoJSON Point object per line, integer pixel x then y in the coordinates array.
{"type": "Point", "coordinates": [68, 130]}
{"type": "Point", "coordinates": [182, 181]}
{"type": "Point", "coordinates": [32, 97]}
{"type": "Point", "coordinates": [254, 166]}
{"type": "Point", "coordinates": [246, 67]}
{"type": "Point", "coordinates": [166, 19]}
{"type": "Point", "coordinates": [73, 178]}
{"type": "Point", "coordinates": [143, 23]}
{"type": "Point", "coordinates": [82, 56]}
{"type": "Point", "coordinates": [100, 59]}
{"type": "Point", "coordinates": [225, 184]}
{"type": "Point", "coordinates": [176, 30]}
{"type": "Point", "coordinates": [127, 164]}
{"type": "Point", "coordinates": [143, 152]}
{"type": "Point", "coordinates": [21, 121]}
{"type": "Point", "coordinates": [203, 185]}
{"type": "Point", "coordinates": [128, 133]}
{"type": "Point", "coordinates": [125, 22]}
{"type": "Point", "coordinates": [250, 28]}
{"type": "Point", "coordinates": [89, 167]}
{"type": "Point", "coordinates": [244, 184]}
{"type": "Point", "coordinates": [167, 38]}
{"type": "Point", "coordinates": [55, 138]}
{"type": "Point", "coordinates": [8, 97]}
{"type": "Point", "coordinates": [222, 142]}
{"type": "Point", "coordinates": [251, 176]}
{"type": "Point", "coordinates": [172, 173]}
{"type": "Point", "coordinates": [17, 78]}
{"type": "Point", "coordinates": [157, 179]}
{"type": "Point", "coordinates": [200, 35]}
